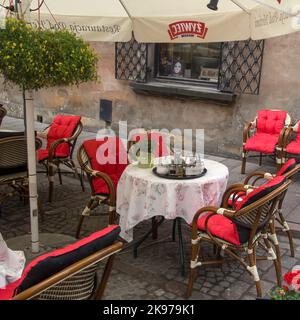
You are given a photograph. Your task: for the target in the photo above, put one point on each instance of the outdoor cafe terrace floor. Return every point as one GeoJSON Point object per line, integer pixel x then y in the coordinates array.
{"type": "Point", "coordinates": [155, 273]}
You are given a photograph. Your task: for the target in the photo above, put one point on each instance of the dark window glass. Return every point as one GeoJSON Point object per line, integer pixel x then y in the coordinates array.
{"type": "Point", "coordinates": [199, 62]}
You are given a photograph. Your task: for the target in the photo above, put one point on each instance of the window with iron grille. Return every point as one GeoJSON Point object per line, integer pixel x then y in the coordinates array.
{"type": "Point", "coordinates": [188, 62]}
{"type": "Point", "coordinates": [233, 67]}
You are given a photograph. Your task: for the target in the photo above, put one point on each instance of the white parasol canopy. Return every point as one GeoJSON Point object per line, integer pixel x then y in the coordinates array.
{"type": "Point", "coordinates": [98, 20]}
{"type": "Point", "coordinates": [192, 21]}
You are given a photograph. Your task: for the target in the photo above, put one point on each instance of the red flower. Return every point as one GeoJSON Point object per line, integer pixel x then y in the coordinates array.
{"type": "Point", "coordinates": [289, 277]}
{"type": "Point", "coordinates": [285, 288]}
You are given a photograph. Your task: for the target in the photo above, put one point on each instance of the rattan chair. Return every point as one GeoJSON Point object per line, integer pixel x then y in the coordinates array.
{"type": "Point", "coordinates": [102, 181]}
{"type": "Point", "coordinates": [265, 135]}
{"type": "Point", "coordinates": [77, 281]}
{"type": "Point", "coordinates": [254, 219]}
{"type": "Point", "coordinates": [3, 113]}
{"type": "Point", "coordinates": [13, 165]}
{"type": "Point", "coordinates": [289, 170]}
{"type": "Point", "coordinates": [290, 144]}
{"type": "Point", "coordinates": [60, 148]}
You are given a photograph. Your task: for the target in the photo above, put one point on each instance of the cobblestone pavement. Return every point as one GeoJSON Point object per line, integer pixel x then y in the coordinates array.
{"type": "Point", "coordinates": [155, 273]}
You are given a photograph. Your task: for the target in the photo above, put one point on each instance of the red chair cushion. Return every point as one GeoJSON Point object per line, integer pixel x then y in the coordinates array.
{"type": "Point", "coordinates": [43, 154]}
{"type": "Point", "coordinates": [288, 166]}
{"type": "Point", "coordinates": [236, 198]}
{"type": "Point", "coordinates": [107, 155]}
{"type": "Point", "coordinates": [221, 227]}
{"type": "Point", "coordinates": [293, 147]}
{"type": "Point", "coordinates": [260, 192]}
{"type": "Point", "coordinates": [49, 264]}
{"type": "Point", "coordinates": [262, 142]}
{"type": "Point", "coordinates": [161, 149]}
{"type": "Point", "coordinates": [270, 121]}
{"type": "Point", "coordinates": [61, 127]}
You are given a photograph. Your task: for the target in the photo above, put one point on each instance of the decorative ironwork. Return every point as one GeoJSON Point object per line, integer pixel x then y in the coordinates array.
{"type": "Point", "coordinates": [131, 61]}
{"type": "Point", "coordinates": [241, 64]}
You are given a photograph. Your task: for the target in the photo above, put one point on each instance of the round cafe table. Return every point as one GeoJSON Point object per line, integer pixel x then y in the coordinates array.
{"type": "Point", "coordinates": [142, 195]}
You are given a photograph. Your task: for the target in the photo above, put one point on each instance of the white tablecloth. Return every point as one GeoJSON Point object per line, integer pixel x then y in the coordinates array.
{"type": "Point", "coordinates": [11, 264]}
{"type": "Point", "coordinates": [142, 195]}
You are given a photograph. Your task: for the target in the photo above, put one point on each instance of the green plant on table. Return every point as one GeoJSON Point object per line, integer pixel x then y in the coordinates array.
{"type": "Point", "coordinates": [147, 148]}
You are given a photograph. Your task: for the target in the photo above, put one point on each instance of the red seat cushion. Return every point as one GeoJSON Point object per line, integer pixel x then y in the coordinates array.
{"type": "Point", "coordinates": [43, 154]}
{"type": "Point", "coordinates": [260, 192]}
{"type": "Point", "coordinates": [221, 227]}
{"type": "Point", "coordinates": [161, 149]}
{"type": "Point", "coordinates": [288, 166]}
{"type": "Point", "coordinates": [106, 155]}
{"type": "Point", "coordinates": [236, 198]}
{"type": "Point", "coordinates": [50, 263]}
{"type": "Point", "coordinates": [61, 127]}
{"type": "Point", "coordinates": [262, 142]}
{"type": "Point", "coordinates": [293, 147]}
{"type": "Point", "coordinates": [270, 121]}
{"type": "Point", "coordinates": [268, 127]}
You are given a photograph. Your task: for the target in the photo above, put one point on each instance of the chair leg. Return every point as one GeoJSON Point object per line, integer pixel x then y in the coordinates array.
{"type": "Point", "coordinates": [274, 240]}
{"type": "Point", "coordinates": [276, 257]}
{"type": "Point", "coordinates": [77, 175]}
{"type": "Point", "coordinates": [181, 248]}
{"type": "Point", "coordinates": [59, 175]}
{"type": "Point", "coordinates": [105, 276]}
{"type": "Point", "coordinates": [193, 267]}
{"type": "Point", "coordinates": [51, 187]}
{"type": "Point", "coordinates": [112, 217]}
{"type": "Point", "coordinates": [253, 270]}
{"type": "Point", "coordinates": [86, 211]}
{"type": "Point", "coordinates": [260, 159]}
{"type": "Point", "coordinates": [288, 232]}
{"type": "Point", "coordinates": [244, 160]}
{"type": "Point", "coordinates": [51, 181]}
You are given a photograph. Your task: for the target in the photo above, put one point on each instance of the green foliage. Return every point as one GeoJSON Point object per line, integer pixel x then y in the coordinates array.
{"type": "Point", "coordinates": [283, 293]}
{"type": "Point", "coordinates": [35, 59]}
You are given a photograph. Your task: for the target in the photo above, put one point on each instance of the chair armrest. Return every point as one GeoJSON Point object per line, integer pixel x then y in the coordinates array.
{"type": "Point", "coordinates": [238, 187]}
{"type": "Point", "coordinates": [258, 175]}
{"type": "Point", "coordinates": [213, 211]}
{"type": "Point", "coordinates": [44, 133]}
{"type": "Point", "coordinates": [56, 143]}
{"type": "Point", "coordinates": [246, 132]}
{"type": "Point", "coordinates": [281, 141]}
{"type": "Point", "coordinates": [286, 139]}
{"type": "Point", "coordinates": [104, 176]}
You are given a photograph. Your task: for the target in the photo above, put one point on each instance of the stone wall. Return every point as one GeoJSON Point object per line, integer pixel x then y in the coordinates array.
{"type": "Point", "coordinates": [223, 124]}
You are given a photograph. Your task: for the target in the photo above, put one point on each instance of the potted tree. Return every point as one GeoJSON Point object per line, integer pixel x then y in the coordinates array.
{"type": "Point", "coordinates": [34, 59]}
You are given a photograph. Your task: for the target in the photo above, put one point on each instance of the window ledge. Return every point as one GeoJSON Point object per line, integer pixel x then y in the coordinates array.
{"type": "Point", "coordinates": [194, 91]}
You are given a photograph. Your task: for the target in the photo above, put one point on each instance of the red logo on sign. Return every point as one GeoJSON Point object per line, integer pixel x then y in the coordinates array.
{"type": "Point", "coordinates": [187, 29]}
